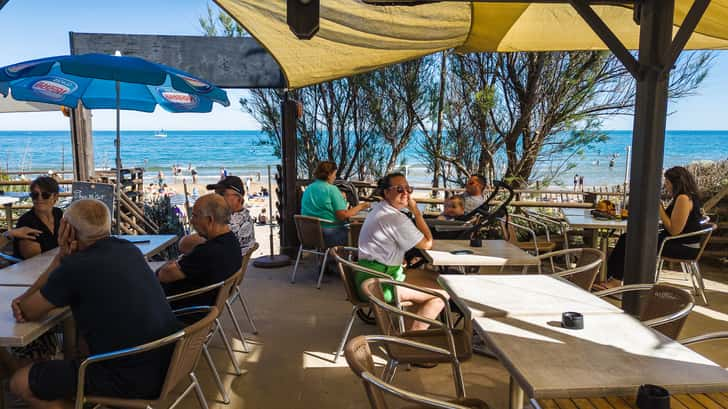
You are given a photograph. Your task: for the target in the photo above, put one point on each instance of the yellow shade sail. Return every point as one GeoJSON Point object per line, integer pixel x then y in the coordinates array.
{"type": "Point", "coordinates": [356, 37]}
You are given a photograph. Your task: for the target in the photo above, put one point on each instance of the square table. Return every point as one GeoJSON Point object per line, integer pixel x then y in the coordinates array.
{"type": "Point", "coordinates": [583, 219]}
{"type": "Point", "coordinates": [14, 334]}
{"type": "Point", "coordinates": [27, 271]}
{"type": "Point", "coordinates": [493, 253]}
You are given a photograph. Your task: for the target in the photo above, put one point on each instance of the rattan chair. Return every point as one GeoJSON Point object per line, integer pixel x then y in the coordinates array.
{"type": "Point", "coordinates": [224, 289]}
{"type": "Point", "coordinates": [359, 357]}
{"type": "Point", "coordinates": [189, 344]}
{"type": "Point", "coordinates": [312, 241]}
{"type": "Point", "coordinates": [390, 320]}
{"type": "Point", "coordinates": [588, 263]}
{"type": "Point", "coordinates": [689, 266]}
{"type": "Point", "coordinates": [346, 262]}
{"type": "Point", "coordinates": [236, 294]}
{"type": "Point", "coordinates": [666, 308]}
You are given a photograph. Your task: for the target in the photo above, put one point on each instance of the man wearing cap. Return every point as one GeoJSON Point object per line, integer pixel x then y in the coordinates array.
{"type": "Point", "coordinates": [241, 223]}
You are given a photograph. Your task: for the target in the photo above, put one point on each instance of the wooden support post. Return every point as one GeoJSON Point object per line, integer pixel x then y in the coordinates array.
{"type": "Point", "coordinates": [82, 145]}
{"type": "Point", "coordinates": [289, 196]}
{"type": "Point", "coordinates": [648, 144]}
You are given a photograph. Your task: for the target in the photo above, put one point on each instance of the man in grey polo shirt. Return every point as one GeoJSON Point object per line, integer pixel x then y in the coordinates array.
{"type": "Point", "coordinates": [474, 194]}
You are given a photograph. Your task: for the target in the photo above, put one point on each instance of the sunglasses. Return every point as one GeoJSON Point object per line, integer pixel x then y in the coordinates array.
{"type": "Point", "coordinates": [44, 195]}
{"type": "Point", "coordinates": [401, 189]}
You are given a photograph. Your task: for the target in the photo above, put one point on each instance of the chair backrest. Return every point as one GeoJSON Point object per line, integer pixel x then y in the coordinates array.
{"type": "Point", "coordinates": [666, 300]}
{"type": "Point", "coordinates": [346, 258]}
{"type": "Point", "coordinates": [354, 231]}
{"type": "Point", "coordinates": [224, 293]}
{"type": "Point", "coordinates": [589, 262]}
{"type": "Point", "coordinates": [246, 262]}
{"type": "Point", "coordinates": [705, 238]}
{"type": "Point", "coordinates": [358, 355]}
{"type": "Point", "coordinates": [187, 352]}
{"type": "Point", "coordinates": [309, 232]}
{"type": "Point", "coordinates": [387, 326]}
{"type": "Point", "coordinates": [507, 230]}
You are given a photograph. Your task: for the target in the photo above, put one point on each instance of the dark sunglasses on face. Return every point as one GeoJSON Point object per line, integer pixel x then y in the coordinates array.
{"type": "Point", "coordinates": [401, 189]}
{"type": "Point", "coordinates": [44, 195]}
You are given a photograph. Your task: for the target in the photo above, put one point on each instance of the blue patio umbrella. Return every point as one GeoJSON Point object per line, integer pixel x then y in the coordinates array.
{"type": "Point", "coordinates": [100, 81]}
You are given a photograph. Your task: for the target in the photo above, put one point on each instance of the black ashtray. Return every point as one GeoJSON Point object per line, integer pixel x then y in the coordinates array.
{"type": "Point", "coordinates": [464, 251]}
{"type": "Point", "coordinates": [572, 320]}
{"type": "Point", "coordinates": [653, 397]}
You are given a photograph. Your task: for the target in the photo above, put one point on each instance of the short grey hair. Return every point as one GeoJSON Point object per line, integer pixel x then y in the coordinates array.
{"type": "Point", "coordinates": [215, 206]}
{"type": "Point", "coordinates": [90, 218]}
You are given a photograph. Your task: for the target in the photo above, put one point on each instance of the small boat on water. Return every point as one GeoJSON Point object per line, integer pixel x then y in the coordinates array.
{"type": "Point", "coordinates": [161, 134]}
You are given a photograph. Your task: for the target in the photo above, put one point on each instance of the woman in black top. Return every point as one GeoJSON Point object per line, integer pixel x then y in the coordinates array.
{"type": "Point", "coordinates": [43, 216]}
{"type": "Point", "coordinates": [681, 216]}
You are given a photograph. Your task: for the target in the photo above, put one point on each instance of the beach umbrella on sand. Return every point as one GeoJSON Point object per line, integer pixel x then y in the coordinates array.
{"type": "Point", "coordinates": [100, 81]}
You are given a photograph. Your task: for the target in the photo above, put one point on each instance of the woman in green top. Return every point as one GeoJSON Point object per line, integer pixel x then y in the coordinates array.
{"type": "Point", "coordinates": [324, 200]}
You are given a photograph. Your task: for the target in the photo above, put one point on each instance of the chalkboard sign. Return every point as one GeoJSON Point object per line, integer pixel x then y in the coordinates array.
{"type": "Point", "coordinates": [99, 191]}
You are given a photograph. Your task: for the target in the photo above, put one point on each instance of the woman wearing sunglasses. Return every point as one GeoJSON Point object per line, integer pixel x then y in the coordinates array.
{"type": "Point", "coordinates": [386, 236]}
{"type": "Point", "coordinates": [44, 216]}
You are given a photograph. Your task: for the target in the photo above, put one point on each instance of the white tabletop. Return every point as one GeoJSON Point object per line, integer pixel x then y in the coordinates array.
{"type": "Point", "coordinates": [27, 271]}
{"type": "Point", "coordinates": [583, 219]}
{"type": "Point", "coordinates": [613, 355]}
{"type": "Point", "coordinates": [13, 334]}
{"type": "Point", "coordinates": [514, 295]}
{"type": "Point", "coordinates": [492, 253]}
{"type": "Point", "coordinates": [6, 200]}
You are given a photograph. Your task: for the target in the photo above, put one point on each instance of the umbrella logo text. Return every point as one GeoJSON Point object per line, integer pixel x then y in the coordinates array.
{"type": "Point", "coordinates": [179, 98]}
{"type": "Point", "coordinates": [54, 88]}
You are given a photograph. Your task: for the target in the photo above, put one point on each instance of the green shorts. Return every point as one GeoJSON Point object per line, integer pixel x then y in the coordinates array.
{"type": "Point", "coordinates": [396, 272]}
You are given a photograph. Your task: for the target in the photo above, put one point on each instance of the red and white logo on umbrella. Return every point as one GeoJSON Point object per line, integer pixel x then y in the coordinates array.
{"type": "Point", "coordinates": [54, 88]}
{"type": "Point", "coordinates": [179, 98]}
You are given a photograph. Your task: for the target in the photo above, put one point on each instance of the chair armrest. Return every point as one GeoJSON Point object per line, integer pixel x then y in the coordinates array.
{"type": "Point", "coordinates": [711, 336]}
{"type": "Point", "coordinates": [558, 253]}
{"type": "Point", "coordinates": [193, 293]}
{"type": "Point", "coordinates": [437, 323]}
{"type": "Point", "coordinates": [682, 236]}
{"type": "Point", "coordinates": [623, 289]}
{"type": "Point", "coordinates": [666, 319]}
{"type": "Point", "coordinates": [149, 346]}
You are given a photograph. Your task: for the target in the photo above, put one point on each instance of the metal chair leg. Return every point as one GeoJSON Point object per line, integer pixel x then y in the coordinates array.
{"type": "Point", "coordinates": [346, 333]}
{"type": "Point", "coordinates": [215, 375]}
{"type": "Point", "coordinates": [389, 370]}
{"type": "Point", "coordinates": [198, 391]}
{"type": "Point", "coordinates": [699, 277]}
{"type": "Point", "coordinates": [323, 267]}
{"type": "Point", "coordinates": [295, 267]}
{"type": "Point", "coordinates": [244, 303]}
{"type": "Point", "coordinates": [459, 381]}
{"type": "Point", "coordinates": [236, 324]}
{"type": "Point", "coordinates": [229, 348]}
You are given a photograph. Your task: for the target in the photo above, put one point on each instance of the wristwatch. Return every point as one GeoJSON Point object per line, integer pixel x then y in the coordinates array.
{"type": "Point", "coordinates": [7, 235]}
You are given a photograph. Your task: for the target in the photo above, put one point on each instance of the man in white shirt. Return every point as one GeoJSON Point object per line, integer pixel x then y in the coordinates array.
{"type": "Point", "coordinates": [386, 235]}
{"type": "Point", "coordinates": [474, 196]}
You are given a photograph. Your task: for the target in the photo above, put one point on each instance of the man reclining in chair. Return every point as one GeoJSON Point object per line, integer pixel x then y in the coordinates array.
{"type": "Point", "coordinates": [386, 235]}
{"type": "Point", "coordinates": [116, 303]}
{"type": "Point", "coordinates": [210, 262]}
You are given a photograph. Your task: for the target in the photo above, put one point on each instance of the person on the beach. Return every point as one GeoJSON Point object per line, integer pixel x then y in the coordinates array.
{"type": "Point", "coordinates": [194, 175]}
{"type": "Point", "coordinates": [262, 218]}
{"type": "Point", "coordinates": [324, 200]}
{"type": "Point", "coordinates": [576, 181]}
{"type": "Point", "coordinates": [474, 194]}
{"type": "Point", "coordinates": [116, 305]}
{"type": "Point", "coordinates": [215, 259]}
{"type": "Point", "coordinates": [681, 216]}
{"type": "Point", "coordinates": [581, 183]}
{"type": "Point", "coordinates": [386, 235]}
{"type": "Point", "coordinates": [43, 216]}
{"type": "Point", "coordinates": [454, 207]}
{"type": "Point", "coordinates": [160, 178]}
{"type": "Point", "coordinates": [242, 224]}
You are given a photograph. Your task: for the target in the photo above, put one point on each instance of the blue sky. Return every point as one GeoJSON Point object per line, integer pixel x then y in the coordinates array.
{"type": "Point", "coordinates": [38, 28]}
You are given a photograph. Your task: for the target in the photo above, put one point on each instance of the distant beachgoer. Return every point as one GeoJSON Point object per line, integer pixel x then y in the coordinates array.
{"type": "Point", "coordinates": [611, 163]}
{"type": "Point", "coordinates": [194, 175]}
{"type": "Point", "coordinates": [189, 167]}
{"type": "Point", "coordinates": [160, 178]}
{"type": "Point", "coordinates": [248, 183]}
{"type": "Point", "coordinates": [581, 183]}
{"type": "Point", "coordinates": [576, 181]}
{"type": "Point", "coordinates": [257, 174]}
{"type": "Point", "coordinates": [264, 192]}
{"type": "Point", "coordinates": [262, 219]}
{"type": "Point", "coordinates": [224, 172]}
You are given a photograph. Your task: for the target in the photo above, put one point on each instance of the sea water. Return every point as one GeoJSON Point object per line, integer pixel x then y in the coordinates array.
{"type": "Point", "coordinates": [245, 153]}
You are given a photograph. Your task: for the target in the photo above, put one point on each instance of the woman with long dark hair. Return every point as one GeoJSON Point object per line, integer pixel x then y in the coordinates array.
{"type": "Point", "coordinates": [681, 216]}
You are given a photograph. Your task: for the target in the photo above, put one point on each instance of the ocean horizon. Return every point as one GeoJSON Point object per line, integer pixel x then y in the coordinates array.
{"type": "Point", "coordinates": [244, 153]}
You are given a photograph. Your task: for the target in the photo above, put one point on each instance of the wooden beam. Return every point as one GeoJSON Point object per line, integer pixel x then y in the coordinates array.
{"type": "Point", "coordinates": [228, 62]}
{"type": "Point", "coordinates": [686, 30]}
{"type": "Point", "coordinates": [607, 35]}
{"type": "Point", "coordinates": [82, 144]}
